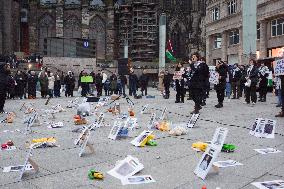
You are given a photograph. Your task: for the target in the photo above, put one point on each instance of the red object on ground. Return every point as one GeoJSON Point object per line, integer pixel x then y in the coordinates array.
{"type": "Point", "coordinates": [203, 187]}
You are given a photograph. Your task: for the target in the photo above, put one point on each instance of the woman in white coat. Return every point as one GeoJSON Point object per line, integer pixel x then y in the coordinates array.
{"type": "Point", "coordinates": [51, 80]}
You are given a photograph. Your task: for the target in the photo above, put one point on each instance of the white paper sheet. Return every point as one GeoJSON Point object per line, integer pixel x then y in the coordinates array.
{"type": "Point", "coordinates": [143, 179]}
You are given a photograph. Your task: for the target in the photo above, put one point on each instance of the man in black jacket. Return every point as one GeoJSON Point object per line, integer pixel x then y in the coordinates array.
{"type": "Point", "coordinates": [4, 73]}
{"type": "Point", "coordinates": [236, 81]}
{"type": "Point", "coordinates": [281, 114]}
{"type": "Point", "coordinates": [252, 80]}
{"type": "Point", "coordinates": [222, 70]}
{"type": "Point", "coordinates": [199, 73]}
{"type": "Point", "coordinates": [144, 82]}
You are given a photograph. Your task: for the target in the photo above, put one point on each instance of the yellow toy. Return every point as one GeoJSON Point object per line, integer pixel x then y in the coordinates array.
{"type": "Point", "coordinates": [201, 146]}
{"type": "Point", "coordinates": [149, 138]}
{"type": "Point", "coordinates": [40, 140]}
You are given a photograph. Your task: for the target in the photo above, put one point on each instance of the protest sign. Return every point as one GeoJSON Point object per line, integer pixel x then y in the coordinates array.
{"type": "Point", "coordinates": [151, 121]}
{"type": "Point", "coordinates": [131, 123]}
{"type": "Point", "coordinates": [83, 141]}
{"type": "Point", "coordinates": [178, 75]}
{"type": "Point", "coordinates": [126, 168]}
{"type": "Point", "coordinates": [227, 163]}
{"type": "Point", "coordinates": [87, 79]}
{"type": "Point", "coordinates": [17, 168]}
{"type": "Point", "coordinates": [278, 66]}
{"type": "Point", "coordinates": [214, 77]}
{"type": "Point", "coordinates": [192, 121]}
{"type": "Point", "coordinates": [115, 130]}
{"type": "Point", "coordinates": [267, 151]}
{"type": "Point", "coordinates": [30, 121]}
{"type": "Point", "coordinates": [275, 184]}
{"type": "Point", "coordinates": [30, 161]}
{"type": "Point", "coordinates": [211, 153]}
{"type": "Point", "coordinates": [263, 128]}
{"type": "Point", "coordinates": [55, 125]}
{"type": "Point", "coordinates": [143, 179]}
{"type": "Point", "coordinates": [141, 140]}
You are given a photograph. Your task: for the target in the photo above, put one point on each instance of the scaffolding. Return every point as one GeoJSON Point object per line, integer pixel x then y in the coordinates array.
{"type": "Point", "coordinates": [139, 26]}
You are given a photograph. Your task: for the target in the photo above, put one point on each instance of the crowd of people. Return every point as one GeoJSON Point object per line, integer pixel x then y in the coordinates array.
{"type": "Point", "coordinates": [233, 82]}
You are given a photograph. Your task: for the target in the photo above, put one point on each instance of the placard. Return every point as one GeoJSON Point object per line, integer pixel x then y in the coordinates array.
{"type": "Point", "coordinates": [151, 121]}
{"type": "Point", "coordinates": [162, 117]}
{"type": "Point", "coordinates": [211, 153]}
{"type": "Point", "coordinates": [87, 79]}
{"type": "Point", "coordinates": [17, 168]}
{"type": "Point", "coordinates": [192, 120]}
{"type": "Point", "coordinates": [144, 109]}
{"type": "Point", "coordinates": [30, 121]}
{"type": "Point", "coordinates": [214, 77]}
{"type": "Point", "coordinates": [275, 184]}
{"type": "Point", "coordinates": [28, 160]}
{"type": "Point", "coordinates": [263, 128]}
{"type": "Point", "coordinates": [115, 130]}
{"type": "Point", "coordinates": [55, 125]}
{"type": "Point", "coordinates": [265, 151]}
{"type": "Point", "coordinates": [130, 123]}
{"type": "Point", "coordinates": [178, 75]}
{"type": "Point", "coordinates": [227, 163]}
{"type": "Point", "coordinates": [142, 179]}
{"type": "Point", "coordinates": [278, 66]}
{"type": "Point", "coordinates": [139, 140]}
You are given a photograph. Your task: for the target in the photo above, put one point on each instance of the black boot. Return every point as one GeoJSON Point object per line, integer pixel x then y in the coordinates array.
{"type": "Point", "coordinates": [219, 105]}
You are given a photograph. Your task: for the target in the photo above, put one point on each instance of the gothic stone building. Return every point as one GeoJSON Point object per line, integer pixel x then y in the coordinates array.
{"type": "Point", "coordinates": [100, 28]}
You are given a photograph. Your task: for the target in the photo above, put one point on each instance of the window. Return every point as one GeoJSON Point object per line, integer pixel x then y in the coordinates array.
{"type": "Point", "coordinates": [72, 2]}
{"type": "Point", "coordinates": [234, 37]}
{"type": "Point", "coordinates": [258, 31]}
{"type": "Point", "coordinates": [217, 41]}
{"type": "Point", "coordinates": [232, 7]}
{"type": "Point", "coordinates": [277, 27]}
{"type": "Point", "coordinates": [215, 13]}
{"type": "Point", "coordinates": [47, 2]}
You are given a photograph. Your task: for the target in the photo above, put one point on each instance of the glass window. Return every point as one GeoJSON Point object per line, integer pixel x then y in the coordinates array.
{"type": "Point", "coordinates": [232, 7]}
{"type": "Point", "coordinates": [217, 41]}
{"type": "Point", "coordinates": [234, 37]}
{"type": "Point", "coordinates": [72, 2]}
{"type": "Point", "coordinates": [215, 13]}
{"type": "Point", "coordinates": [277, 27]}
{"type": "Point", "coordinates": [47, 2]}
{"type": "Point", "coordinates": [258, 31]}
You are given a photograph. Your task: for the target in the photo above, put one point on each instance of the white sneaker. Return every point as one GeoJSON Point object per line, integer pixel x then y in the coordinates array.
{"type": "Point", "coordinates": [253, 103]}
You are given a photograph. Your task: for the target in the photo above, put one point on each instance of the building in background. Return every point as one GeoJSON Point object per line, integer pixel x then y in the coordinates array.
{"type": "Point", "coordinates": [101, 28]}
{"type": "Point", "coordinates": [224, 30]}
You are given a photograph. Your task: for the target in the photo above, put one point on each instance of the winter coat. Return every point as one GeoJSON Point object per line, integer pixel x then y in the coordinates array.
{"type": "Point", "coordinates": [3, 78]}
{"type": "Point", "coordinates": [70, 81]}
{"type": "Point", "coordinates": [51, 81]}
{"type": "Point", "coordinates": [236, 74]}
{"type": "Point", "coordinates": [167, 80]}
{"type": "Point", "coordinates": [223, 73]}
{"type": "Point", "coordinates": [252, 74]}
{"type": "Point", "coordinates": [133, 80]}
{"type": "Point", "coordinates": [43, 80]}
{"type": "Point", "coordinates": [144, 80]}
{"type": "Point", "coordinates": [199, 75]}
{"type": "Point", "coordinates": [32, 81]}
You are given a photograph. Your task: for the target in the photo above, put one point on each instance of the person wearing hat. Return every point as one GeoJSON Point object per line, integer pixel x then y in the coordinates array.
{"type": "Point", "coordinates": [70, 84]}
{"type": "Point", "coordinates": [180, 83]}
{"type": "Point", "coordinates": [236, 81]}
{"type": "Point", "coordinates": [4, 73]}
{"type": "Point", "coordinates": [133, 80]}
{"type": "Point", "coordinates": [222, 70]}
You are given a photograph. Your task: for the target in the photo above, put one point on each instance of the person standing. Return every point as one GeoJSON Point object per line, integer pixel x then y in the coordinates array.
{"type": "Point", "coordinates": [70, 84]}
{"type": "Point", "coordinates": [32, 81]}
{"type": "Point", "coordinates": [20, 85]}
{"type": "Point", "coordinates": [99, 84]}
{"type": "Point", "coordinates": [281, 114]}
{"type": "Point", "coordinates": [113, 84]}
{"type": "Point", "coordinates": [199, 73]}
{"type": "Point", "coordinates": [57, 85]}
{"type": "Point", "coordinates": [11, 86]}
{"type": "Point", "coordinates": [263, 73]}
{"type": "Point", "coordinates": [251, 82]}
{"type": "Point", "coordinates": [236, 81]}
{"type": "Point", "coordinates": [51, 81]}
{"type": "Point", "coordinates": [133, 80]}
{"type": "Point", "coordinates": [144, 82]}
{"type": "Point", "coordinates": [167, 83]}
{"type": "Point", "coordinates": [43, 80]}
{"type": "Point", "coordinates": [4, 73]}
{"type": "Point", "coordinates": [242, 80]}
{"type": "Point", "coordinates": [123, 84]}
{"type": "Point", "coordinates": [180, 83]}
{"type": "Point", "coordinates": [228, 82]}
{"type": "Point", "coordinates": [222, 70]}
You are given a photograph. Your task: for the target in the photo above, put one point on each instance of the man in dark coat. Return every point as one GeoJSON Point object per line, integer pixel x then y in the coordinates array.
{"type": "Point", "coordinates": [4, 73]}
{"type": "Point", "coordinates": [222, 70]}
{"type": "Point", "coordinates": [70, 84]}
{"type": "Point", "coordinates": [167, 83]}
{"type": "Point", "coordinates": [281, 114]}
{"type": "Point", "coordinates": [20, 84]}
{"type": "Point", "coordinates": [99, 84]}
{"type": "Point", "coordinates": [252, 80]}
{"type": "Point", "coordinates": [32, 81]}
{"type": "Point", "coordinates": [133, 80]}
{"type": "Point", "coordinates": [236, 81]}
{"type": "Point", "coordinates": [263, 73]}
{"type": "Point", "coordinates": [199, 74]}
{"type": "Point", "coordinates": [144, 82]}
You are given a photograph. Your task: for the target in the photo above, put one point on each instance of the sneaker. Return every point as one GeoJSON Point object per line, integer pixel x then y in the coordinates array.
{"type": "Point", "coordinates": [253, 103]}
{"type": "Point", "coordinates": [219, 106]}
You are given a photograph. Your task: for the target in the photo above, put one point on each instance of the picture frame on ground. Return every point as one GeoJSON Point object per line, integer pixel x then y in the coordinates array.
{"type": "Point", "coordinates": [265, 151]}
{"type": "Point", "coordinates": [151, 122]}
{"type": "Point", "coordinates": [143, 179]}
{"type": "Point", "coordinates": [263, 128]}
{"type": "Point", "coordinates": [140, 139]}
{"type": "Point", "coordinates": [193, 119]}
{"type": "Point", "coordinates": [115, 130]}
{"type": "Point", "coordinates": [227, 163]}
{"type": "Point", "coordinates": [275, 184]}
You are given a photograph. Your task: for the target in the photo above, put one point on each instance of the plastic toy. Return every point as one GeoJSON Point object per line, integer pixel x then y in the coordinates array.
{"type": "Point", "coordinates": [178, 131]}
{"type": "Point", "coordinates": [123, 132]}
{"type": "Point", "coordinates": [151, 143]}
{"type": "Point", "coordinates": [78, 120]}
{"type": "Point", "coordinates": [149, 138]}
{"type": "Point", "coordinates": [40, 140]}
{"type": "Point", "coordinates": [163, 126]}
{"type": "Point", "coordinates": [7, 144]}
{"type": "Point", "coordinates": [228, 148]}
{"type": "Point", "coordinates": [200, 146]}
{"type": "Point", "coordinates": [92, 174]}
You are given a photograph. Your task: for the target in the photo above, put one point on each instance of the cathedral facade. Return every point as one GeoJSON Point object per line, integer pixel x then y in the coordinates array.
{"type": "Point", "coordinates": [100, 28]}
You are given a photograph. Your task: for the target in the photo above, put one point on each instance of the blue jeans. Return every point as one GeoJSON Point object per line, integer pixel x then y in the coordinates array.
{"type": "Point", "coordinates": [228, 90]}
{"type": "Point", "coordinates": [279, 97]}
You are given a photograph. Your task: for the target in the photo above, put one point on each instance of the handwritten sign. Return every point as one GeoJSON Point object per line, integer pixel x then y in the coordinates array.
{"type": "Point", "coordinates": [278, 67]}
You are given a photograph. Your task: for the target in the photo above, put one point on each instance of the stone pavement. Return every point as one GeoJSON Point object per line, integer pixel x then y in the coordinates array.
{"type": "Point", "coordinates": [62, 168]}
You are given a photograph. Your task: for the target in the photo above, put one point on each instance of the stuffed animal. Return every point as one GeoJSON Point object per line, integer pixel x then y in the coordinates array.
{"type": "Point", "coordinates": [79, 120]}
{"type": "Point", "coordinates": [163, 126]}
{"type": "Point", "coordinates": [178, 131]}
{"type": "Point", "coordinates": [10, 117]}
{"type": "Point", "coordinates": [6, 145]}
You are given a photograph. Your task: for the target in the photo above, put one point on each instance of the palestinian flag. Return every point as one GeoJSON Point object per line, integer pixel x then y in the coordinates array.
{"type": "Point", "coordinates": [169, 52]}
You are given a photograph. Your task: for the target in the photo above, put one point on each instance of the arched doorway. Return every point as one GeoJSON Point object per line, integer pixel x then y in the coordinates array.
{"type": "Point", "coordinates": [98, 34]}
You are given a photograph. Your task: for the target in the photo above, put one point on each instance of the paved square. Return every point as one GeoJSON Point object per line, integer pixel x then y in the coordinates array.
{"type": "Point", "coordinates": [171, 163]}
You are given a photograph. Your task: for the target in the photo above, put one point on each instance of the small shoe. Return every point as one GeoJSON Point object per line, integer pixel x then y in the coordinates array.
{"type": "Point", "coordinates": [203, 103]}
{"type": "Point", "coordinates": [177, 101]}
{"type": "Point", "coordinates": [234, 98]}
{"type": "Point", "coordinates": [253, 103]}
{"type": "Point", "coordinates": [281, 114]}
{"type": "Point", "coordinates": [278, 105]}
